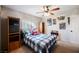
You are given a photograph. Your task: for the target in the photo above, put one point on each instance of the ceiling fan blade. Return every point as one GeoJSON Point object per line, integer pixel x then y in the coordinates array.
{"type": "Point", "coordinates": [52, 13]}
{"type": "Point", "coordinates": [55, 9]}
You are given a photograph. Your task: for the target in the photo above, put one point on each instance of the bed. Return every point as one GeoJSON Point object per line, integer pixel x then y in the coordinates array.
{"type": "Point", "coordinates": [41, 43]}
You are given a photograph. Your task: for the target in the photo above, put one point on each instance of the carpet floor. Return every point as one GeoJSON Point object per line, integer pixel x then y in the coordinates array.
{"type": "Point", "coordinates": [60, 48]}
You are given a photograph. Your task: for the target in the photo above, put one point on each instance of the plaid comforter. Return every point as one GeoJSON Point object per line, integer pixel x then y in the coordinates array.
{"type": "Point", "coordinates": [40, 42]}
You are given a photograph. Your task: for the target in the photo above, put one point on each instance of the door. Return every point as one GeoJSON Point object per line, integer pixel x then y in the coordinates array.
{"type": "Point", "coordinates": [74, 29]}
{"type": "Point", "coordinates": [43, 27]}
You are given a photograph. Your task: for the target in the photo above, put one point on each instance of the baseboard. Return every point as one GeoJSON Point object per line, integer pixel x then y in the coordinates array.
{"type": "Point", "coordinates": [68, 43]}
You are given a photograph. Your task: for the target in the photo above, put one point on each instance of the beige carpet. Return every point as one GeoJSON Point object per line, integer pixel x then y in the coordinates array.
{"type": "Point", "coordinates": [61, 47]}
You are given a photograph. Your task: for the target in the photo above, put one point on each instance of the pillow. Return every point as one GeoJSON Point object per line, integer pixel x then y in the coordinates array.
{"type": "Point", "coordinates": [35, 32]}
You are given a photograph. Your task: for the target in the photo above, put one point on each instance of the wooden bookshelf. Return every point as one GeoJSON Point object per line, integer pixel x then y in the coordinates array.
{"type": "Point", "coordinates": [13, 33]}
{"type": "Point", "coordinates": [10, 34]}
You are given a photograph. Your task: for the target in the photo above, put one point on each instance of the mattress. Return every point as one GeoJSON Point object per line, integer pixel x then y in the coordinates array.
{"type": "Point", "coordinates": [40, 43]}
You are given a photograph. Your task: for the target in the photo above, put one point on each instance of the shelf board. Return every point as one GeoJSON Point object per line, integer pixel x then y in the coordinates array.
{"type": "Point", "coordinates": [14, 33]}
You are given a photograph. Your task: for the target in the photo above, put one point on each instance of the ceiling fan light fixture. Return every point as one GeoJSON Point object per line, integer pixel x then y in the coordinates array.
{"type": "Point", "coordinates": [48, 11]}
{"type": "Point", "coordinates": [45, 8]}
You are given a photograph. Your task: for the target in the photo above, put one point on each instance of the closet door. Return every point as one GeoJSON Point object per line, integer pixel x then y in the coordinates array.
{"type": "Point", "coordinates": [74, 29]}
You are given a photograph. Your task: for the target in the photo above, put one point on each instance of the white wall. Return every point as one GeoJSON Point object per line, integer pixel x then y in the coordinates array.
{"type": "Point", "coordinates": [65, 35]}
{"type": "Point", "coordinates": [23, 16]}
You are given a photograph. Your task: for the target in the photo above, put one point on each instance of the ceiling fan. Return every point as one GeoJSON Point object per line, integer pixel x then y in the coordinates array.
{"type": "Point", "coordinates": [47, 9]}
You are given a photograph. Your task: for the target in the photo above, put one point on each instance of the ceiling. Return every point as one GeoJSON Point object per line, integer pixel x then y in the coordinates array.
{"type": "Point", "coordinates": [33, 9]}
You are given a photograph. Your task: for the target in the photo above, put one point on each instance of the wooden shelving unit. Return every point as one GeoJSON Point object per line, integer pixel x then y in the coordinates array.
{"type": "Point", "coordinates": [10, 34]}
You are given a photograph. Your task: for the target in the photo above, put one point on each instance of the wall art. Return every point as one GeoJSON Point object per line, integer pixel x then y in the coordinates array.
{"type": "Point", "coordinates": [54, 21]}
{"type": "Point", "coordinates": [62, 26]}
{"type": "Point", "coordinates": [49, 21]}
{"type": "Point", "coordinates": [69, 20]}
{"type": "Point", "coordinates": [61, 18]}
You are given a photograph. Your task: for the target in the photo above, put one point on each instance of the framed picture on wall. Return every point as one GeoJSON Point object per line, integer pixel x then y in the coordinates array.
{"type": "Point", "coordinates": [61, 17]}
{"type": "Point", "coordinates": [62, 26]}
{"type": "Point", "coordinates": [69, 20]}
{"type": "Point", "coordinates": [54, 21]}
{"type": "Point", "coordinates": [49, 21]}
